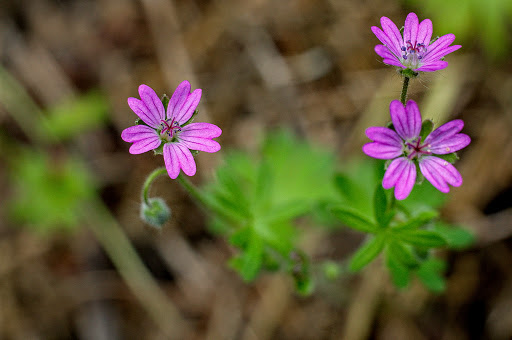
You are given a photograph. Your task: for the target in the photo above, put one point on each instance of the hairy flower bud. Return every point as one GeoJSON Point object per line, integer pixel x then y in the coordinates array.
{"type": "Point", "coordinates": [155, 213]}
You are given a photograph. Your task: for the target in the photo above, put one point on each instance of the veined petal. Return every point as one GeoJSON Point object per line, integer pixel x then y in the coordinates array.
{"type": "Point", "coordinates": [392, 32]}
{"type": "Point", "coordinates": [187, 163]}
{"type": "Point", "coordinates": [441, 43]}
{"type": "Point", "coordinates": [440, 173]}
{"type": "Point", "coordinates": [440, 52]}
{"type": "Point", "coordinates": [453, 144]}
{"type": "Point", "coordinates": [433, 66]}
{"type": "Point", "coordinates": [200, 144]}
{"type": "Point", "coordinates": [382, 151]}
{"type": "Point", "coordinates": [183, 103]}
{"type": "Point", "coordinates": [411, 28]}
{"type": "Point", "coordinates": [172, 163]}
{"type": "Point", "coordinates": [445, 131]}
{"type": "Point", "coordinates": [384, 52]}
{"type": "Point", "coordinates": [393, 62]}
{"type": "Point", "coordinates": [145, 145]}
{"type": "Point", "coordinates": [138, 132]}
{"type": "Point", "coordinates": [425, 32]}
{"type": "Point", "coordinates": [148, 109]}
{"type": "Point", "coordinates": [387, 41]}
{"type": "Point", "coordinates": [406, 120]}
{"type": "Point", "coordinates": [384, 135]}
{"type": "Point", "coordinates": [400, 174]}
{"type": "Point", "coordinates": [204, 130]}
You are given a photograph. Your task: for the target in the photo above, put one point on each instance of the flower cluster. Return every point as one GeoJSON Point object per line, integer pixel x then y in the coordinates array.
{"type": "Point", "coordinates": [404, 145]}
{"type": "Point", "coordinates": [171, 127]}
{"type": "Point", "coordinates": [413, 51]}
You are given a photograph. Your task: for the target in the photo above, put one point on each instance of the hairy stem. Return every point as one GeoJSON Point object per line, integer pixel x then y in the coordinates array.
{"type": "Point", "coordinates": [147, 184]}
{"type": "Point", "coordinates": [403, 96]}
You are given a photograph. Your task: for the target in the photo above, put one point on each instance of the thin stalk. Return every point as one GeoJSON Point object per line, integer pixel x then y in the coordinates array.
{"type": "Point", "coordinates": [403, 96]}
{"type": "Point", "coordinates": [147, 184]}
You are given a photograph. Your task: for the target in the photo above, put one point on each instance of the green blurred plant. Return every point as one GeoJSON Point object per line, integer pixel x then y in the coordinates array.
{"type": "Point", "coordinates": [485, 21]}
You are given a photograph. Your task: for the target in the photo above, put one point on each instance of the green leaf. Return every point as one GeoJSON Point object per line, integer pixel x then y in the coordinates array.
{"type": "Point", "coordinates": [248, 263]}
{"type": "Point", "coordinates": [456, 237]}
{"type": "Point", "coordinates": [430, 273]}
{"type": "Point", "coordinates": [400, 274]}
{"type": "Point", "coordinates": [354, 219]}
{"type": "Point", "coordinates": [367, 252]}
{"type": "Point", "coordinates": [417, 221]}
{"type": "Point", "coordinates": [401, 253]}
{"type": "Point", "coordinates": [262, 200]}
{"type": "Point", "coordinates": [421, 238]}
{"type": "Point", "coordinates": [286, 211]}
{"type": "Point", "coordinates": [76, 116]}
{"type": "Point", "coordinates": [380, 204]}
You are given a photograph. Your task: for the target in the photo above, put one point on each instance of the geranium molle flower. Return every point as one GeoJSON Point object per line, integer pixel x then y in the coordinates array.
{"type": "Point", "coordinates": [404, 145]}
{"type": "Point", "coordinates": [171, 128]}
{"type": "Point", "coordinates": [414, 50]}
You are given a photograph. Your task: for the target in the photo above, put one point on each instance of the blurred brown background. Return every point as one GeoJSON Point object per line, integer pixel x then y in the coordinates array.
{"type": "Point", "coordinates": [306, 64]}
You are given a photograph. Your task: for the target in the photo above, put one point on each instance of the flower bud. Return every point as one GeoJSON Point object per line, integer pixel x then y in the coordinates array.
{"type": "Point", "coordinates": [155, 213]}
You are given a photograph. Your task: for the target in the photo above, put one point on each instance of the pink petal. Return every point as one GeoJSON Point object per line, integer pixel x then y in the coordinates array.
{"type": "Point", "coordinates": [150, 109]}
{"type": "Point", "coordinates": [203, 130]}
{"type": "Point", "coordinates": [172, 163]}
{"type": "Point", "coordinates": [183, 103]}
{"type": "Point", "coordinates": [440, 173]}
{"type": "Point", "coordinates": [393, 62]}
{"type": "Point", "coordinates": [411, 28]}
{"type": "Point", "coordinates": [138, 132]}
{"type": "Point", "coordinates": [433, 66]}
{"type": "Point", "coordinates": [425, 32]}
{"type": "Point", "coordinates": [440, 44]}
{"type": "Point", "coordinates": [392, 32]}
{"type": "Point", "coordinates": [384, 52]}
{"type": "Point", "coordinates": [447, 139]}
{"type": "Point", "coordinates": [144, 145]}
{"type": "Point", "coordinates": [387, 144]}
{"type": "Point", "coordinates": [406, 120]}
{"type": "Point", "coordinates": [400, 174]}
{"type": "Point", "coordinates": [200, 144]}
{"type": "Point", "coordinates": [387, 41]}
{"type": "Point", "coordinates": [177, 156]}
{"type": "Point", "coordinates": [439, 53]}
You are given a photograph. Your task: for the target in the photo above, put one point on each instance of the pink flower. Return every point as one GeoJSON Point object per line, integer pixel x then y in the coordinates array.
{"type": "Point", "coordinates": [414, 51]}
{"type": "Point", "coordinates": [171, 129]}
{"type": "Point", "coordinates": [404, 146]}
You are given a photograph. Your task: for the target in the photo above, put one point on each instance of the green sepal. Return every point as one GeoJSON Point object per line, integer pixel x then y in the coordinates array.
{"type": "Point", "coordinates": [450, 158]}
{"type": "Point", "coordinates": [165, 101]}
{"type": "Point", "coordinates": [159, 150]}
{"type": "Point", "coordinates": [408, 73]}
{"type": "Point", "coordinates": [139, 121]}
{"type": "Point", "coordinates": [367, 252]}
{"type": "Point", "coordinates": [426, 128]}
{"type": "Point", "coordinates": [191, 118]}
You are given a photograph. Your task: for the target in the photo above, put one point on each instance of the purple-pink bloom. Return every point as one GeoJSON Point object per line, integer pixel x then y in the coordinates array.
{"type": "Point", "coordinates": [404, 146]}
{"type": "Point", "coordinates": [414, 50]}
{"type": "Point", "coordinates": [170, 128]}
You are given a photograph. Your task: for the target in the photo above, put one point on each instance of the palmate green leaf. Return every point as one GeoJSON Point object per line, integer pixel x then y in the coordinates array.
{"type": "Point", "coordinates": [76, 116]}
{"type": "Point", "coordinates": [249, 262]}
{"type": "Point", "coordinates": [421, 238]}
{"type": "Point", "coordinates": [367, 252]}
{"type": "Point", "coordinates": [430, 273]}
{"type": "Point", "coordinates": [400, 274]}
{"type": "Point", "coordinates": [354, 219]}
{"type": "Point", "coordinates": [417, 221]}
{"type": "Point", "coordinates": [380, 206]}
{"type": "Point", "coordinates": [456, 237]}
{"type": "Point", "coordinates": [401, 253]}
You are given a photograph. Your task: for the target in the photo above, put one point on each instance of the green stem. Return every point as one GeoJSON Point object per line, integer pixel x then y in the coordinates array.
{"type": "Point", "coordinates": [147, 184]}
{"type": "Point", "coordinates": [403, 96]}
{"type": "Point", "coordinates": [193, 191]}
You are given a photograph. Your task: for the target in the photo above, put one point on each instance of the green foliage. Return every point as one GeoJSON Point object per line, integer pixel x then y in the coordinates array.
{"type": "Point", "coordinates": [405, 231]}
{"type": "Point", "coordinates": [257, 198]}
{"type": "Point", "coordinates": [76, 116]}
{"type": "Point", "coordinates": [48, 191]}
{"type": "Point", "coordinates": [487, 22]}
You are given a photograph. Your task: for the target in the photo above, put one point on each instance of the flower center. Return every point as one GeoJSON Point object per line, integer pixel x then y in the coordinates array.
{"type": "Point", "coordinates": [413, 54]}
{"type": "Point", "coordinates": [169, 130]}
{"type": "Point", "coordinates": [414, 148]}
